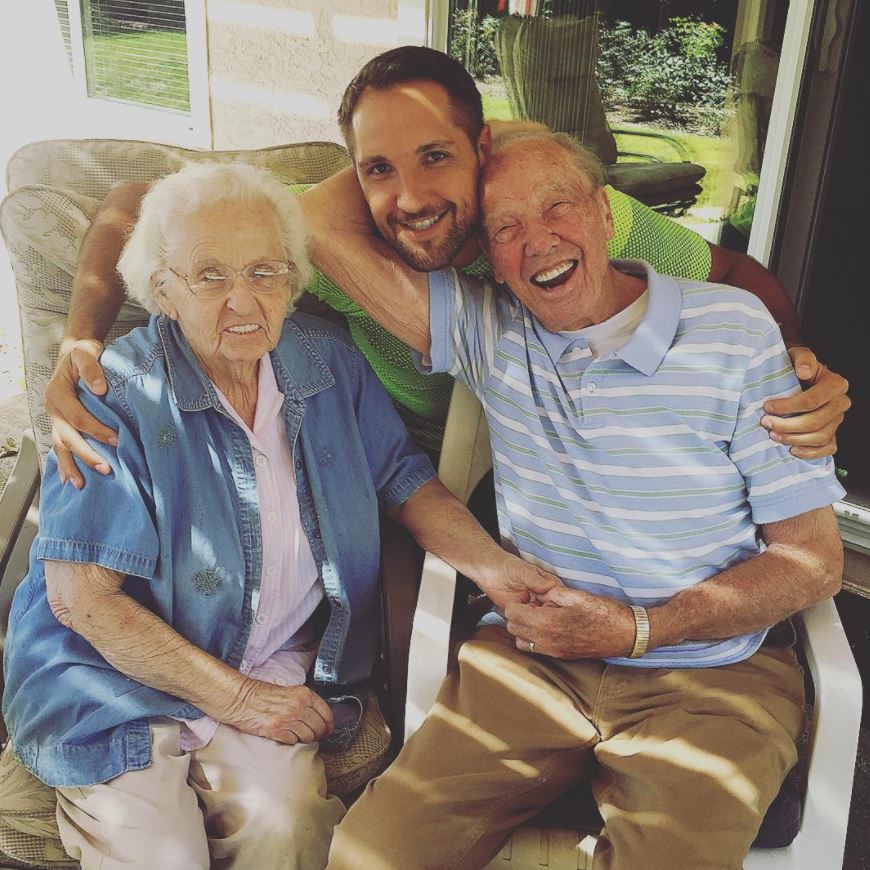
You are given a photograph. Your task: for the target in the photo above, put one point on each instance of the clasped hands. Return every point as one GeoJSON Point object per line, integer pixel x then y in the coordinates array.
{"type": "Point", "coordinates": [548, 618]}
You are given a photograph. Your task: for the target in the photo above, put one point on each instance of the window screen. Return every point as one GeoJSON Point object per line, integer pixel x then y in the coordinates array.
{"type": "Point", "coordinates": [136, 50]}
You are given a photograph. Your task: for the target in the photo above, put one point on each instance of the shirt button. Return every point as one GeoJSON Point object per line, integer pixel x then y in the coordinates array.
{"type": "Point", "coordinates": [272, 516]}
{"type": "Point", "coordinates": [260, 460]}
{"type": "Point", "coordinates": [299, 465]}
{"type": "Point", "coordinates": [261, 618]}
{"type": "Point", "coordinates": [243, 666]}
{"type": "Point", "coordinates": [270, 571]}
{"type": "Point", "coordinates": [280, 681]}
{"type": "Point", "coordinates": [592, 387]}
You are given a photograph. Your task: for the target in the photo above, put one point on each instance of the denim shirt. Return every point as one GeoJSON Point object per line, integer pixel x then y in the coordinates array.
{"type": "Point", "coordinates": [179, 516]}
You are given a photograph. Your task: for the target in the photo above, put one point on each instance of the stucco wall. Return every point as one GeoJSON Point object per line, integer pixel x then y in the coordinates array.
{"type": "Point", "coordinates": [278, 68]}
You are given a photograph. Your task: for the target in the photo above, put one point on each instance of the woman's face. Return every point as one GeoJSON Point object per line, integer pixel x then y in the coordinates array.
{"type": "Point", "coordinates": [238, 326]}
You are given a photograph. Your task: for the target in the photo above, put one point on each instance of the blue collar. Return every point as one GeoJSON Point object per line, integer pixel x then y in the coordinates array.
{"type": "Point", "coordinates": [300, 371]}
{"type": "Point", "coordinates": [647, 347]}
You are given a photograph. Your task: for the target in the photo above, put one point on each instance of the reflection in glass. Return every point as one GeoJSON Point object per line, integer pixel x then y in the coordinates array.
{"type": "Point", "coordinates": [674, 97]}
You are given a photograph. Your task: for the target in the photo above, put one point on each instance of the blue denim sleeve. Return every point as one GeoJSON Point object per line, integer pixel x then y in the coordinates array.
{"type": "Point", "coordinates": [397, 466]}
{"type": "Point", "coordinates": [110, 521]}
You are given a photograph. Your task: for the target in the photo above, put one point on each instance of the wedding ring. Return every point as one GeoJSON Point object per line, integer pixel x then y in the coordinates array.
{"type": "Point", "coordinates": [531, 646]}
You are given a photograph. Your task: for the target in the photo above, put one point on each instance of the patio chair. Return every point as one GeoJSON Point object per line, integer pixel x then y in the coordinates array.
{"type": "Point", "coordinates": [55, 187]}
{"type": "Point", "coordinates": [548, 66]}
{"type": "Point", "coordinates": [806, 823]}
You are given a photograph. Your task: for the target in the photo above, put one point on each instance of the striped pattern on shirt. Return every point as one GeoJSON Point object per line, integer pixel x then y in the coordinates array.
{"type": "Point", "coordinates": [643, 472]}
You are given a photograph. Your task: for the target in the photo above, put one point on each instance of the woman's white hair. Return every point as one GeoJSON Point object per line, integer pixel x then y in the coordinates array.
{"type": "Point", "coordinates": [184, 192]}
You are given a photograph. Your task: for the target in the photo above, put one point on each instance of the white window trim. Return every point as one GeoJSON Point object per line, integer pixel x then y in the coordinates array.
{"type": "Point", "coordinates": [424, 22]}
{"type": "Point", "coordinates": [779, 132]}
{"type": "Point", "coordinates": [108, 118]}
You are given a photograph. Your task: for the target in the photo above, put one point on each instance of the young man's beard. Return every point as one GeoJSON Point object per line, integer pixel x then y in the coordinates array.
{"type": "Point", "coordinates": [438, 257]}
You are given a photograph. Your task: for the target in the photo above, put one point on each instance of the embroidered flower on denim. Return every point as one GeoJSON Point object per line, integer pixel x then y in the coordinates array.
{"type": "Point", "coordinates": [167, 436]}
{"type": "Point", "coordinates": [208, 582]}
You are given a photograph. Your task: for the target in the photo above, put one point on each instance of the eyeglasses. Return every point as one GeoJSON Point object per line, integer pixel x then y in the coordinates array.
{"type": "Point", "coordinates": [262, 276]}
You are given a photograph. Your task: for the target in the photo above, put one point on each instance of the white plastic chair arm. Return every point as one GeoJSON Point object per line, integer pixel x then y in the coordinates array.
{"type": "Point", "coordinates": [835, 727]}
{"type": "Point", "coordinates": [430, 640]}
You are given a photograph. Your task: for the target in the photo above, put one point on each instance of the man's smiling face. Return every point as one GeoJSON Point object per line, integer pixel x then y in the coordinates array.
{"type": "Point", "coordinates": [419, 173]}
{"type": "Point", "coordinates": [546, 230]}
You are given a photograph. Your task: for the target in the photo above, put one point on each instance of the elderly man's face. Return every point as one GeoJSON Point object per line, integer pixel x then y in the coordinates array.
{"type": "Point", "coordinates": [546, 233]}
{"type": "Point", "coordinates": [240, 325]}
{"type": "Point", "coordinates": [418, 172]}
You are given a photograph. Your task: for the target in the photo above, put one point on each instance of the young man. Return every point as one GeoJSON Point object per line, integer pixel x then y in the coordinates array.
{"type": "Point", "coordinates": [413, 121]}
{"type": "Point", "coordinates": [629, 459]}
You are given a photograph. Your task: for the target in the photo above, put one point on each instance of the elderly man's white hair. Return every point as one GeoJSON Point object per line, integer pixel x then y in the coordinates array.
{"type": "Point", "coordinates": [582, 157]}
{"type": "Point", "coordinates": [183, 193]}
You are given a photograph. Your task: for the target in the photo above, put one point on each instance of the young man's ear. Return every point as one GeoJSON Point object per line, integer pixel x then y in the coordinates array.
{"type": "Point", "coordinates": [484, 144]}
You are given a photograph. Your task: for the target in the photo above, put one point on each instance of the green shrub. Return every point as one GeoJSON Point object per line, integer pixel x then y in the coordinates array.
{"type": "Point", "coordinates": [674, 75]}
{"type": "Point", "coordinates": [472, 42]}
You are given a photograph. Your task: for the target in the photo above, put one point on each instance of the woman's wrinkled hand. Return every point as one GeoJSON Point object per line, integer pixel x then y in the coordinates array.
{"type": "Point", "coordinates": [286, 714]}
{"type": "Point", "coordinates": [518, 582]}
{"type": "Point", "coordinates": [69, 419]}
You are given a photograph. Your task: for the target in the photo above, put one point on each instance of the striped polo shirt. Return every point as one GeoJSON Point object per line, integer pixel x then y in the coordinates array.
{"type": "Point", "coordinates": [642, 472]}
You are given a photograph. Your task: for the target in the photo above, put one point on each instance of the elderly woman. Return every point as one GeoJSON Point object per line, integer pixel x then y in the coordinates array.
{"type": "Point", "coordinates": [160, 646]}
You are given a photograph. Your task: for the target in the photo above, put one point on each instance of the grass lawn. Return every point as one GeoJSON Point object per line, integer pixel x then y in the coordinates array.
{"type": "Point", "coordinates": [714, 153]}
{"type": "Point", "coordinates": [148, 67]}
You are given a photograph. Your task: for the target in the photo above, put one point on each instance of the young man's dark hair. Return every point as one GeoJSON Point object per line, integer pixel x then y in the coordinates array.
{"type": "Point", "coordinates": [410, 63]}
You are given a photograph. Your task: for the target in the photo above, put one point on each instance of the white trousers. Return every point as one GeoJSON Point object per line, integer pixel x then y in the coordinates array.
{"type": "Point", "coordinates": [242, 802]}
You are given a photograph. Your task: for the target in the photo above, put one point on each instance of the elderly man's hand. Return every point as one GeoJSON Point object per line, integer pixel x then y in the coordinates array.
{"type": "Point", "coordinates": [572, 624]}
{"type": "Point", "coordinates": [818, 410]}
{"type": "Point", "coordinates": [518, 582]}
{"type": "Point", "coordinates": [68, 416]}
{"type": "Point", "coordinates": [287, 714]}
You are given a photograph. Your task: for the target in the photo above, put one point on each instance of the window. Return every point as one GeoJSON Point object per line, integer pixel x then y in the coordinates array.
{"type": "Point", "coordinates": [139, 67]}
{"type": "Point", "coordinates": [676, 98]}
{"type": "Point", "coordinates": [137, 51]}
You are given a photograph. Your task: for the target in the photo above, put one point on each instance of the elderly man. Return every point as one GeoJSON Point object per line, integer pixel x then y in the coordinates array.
{"type": "Point", "coordinates": [419, 182]}
{"type": "Point", "coordinates": [624, 408]}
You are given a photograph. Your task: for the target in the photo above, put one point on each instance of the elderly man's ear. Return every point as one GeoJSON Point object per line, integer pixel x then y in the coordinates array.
{"type": "Point", "coordinates": [158, 290]}
{"type": "Point", "coordinates": [606, 211]}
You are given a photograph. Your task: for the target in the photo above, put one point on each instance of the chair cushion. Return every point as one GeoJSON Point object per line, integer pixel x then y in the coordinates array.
{"type": "Point", "coordinates": [654, 183]}
{"type": "Point", "coordinates": [94, 166]}
{"type": "Point", "coordinates": [782, 821]}
{"type": "Point", "coordinates": [28, 828]}
{"type": "Point", "coordinates": [43, 229]}
{"type": "Point", "coordinates": [55, 189]}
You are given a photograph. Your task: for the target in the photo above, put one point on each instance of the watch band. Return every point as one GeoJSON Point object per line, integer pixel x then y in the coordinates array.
{"type": "Point", "coordinates": [641, 631]}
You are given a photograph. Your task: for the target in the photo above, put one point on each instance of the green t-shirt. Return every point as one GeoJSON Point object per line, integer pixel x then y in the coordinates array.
{"type": "Point", "coordinates": [422, 400]}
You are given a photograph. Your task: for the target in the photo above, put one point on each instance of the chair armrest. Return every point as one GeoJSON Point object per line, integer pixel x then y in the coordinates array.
{"type": "Point", "coordinates": [835, 727]}
{"type": "Point", "coordinates": [465, 459]}
{"type": "Point", "coordinates": [18, 523]}
{"type": "Point", "coordinates": [430, 640]}
{"type": "Point", "coordinates": [401, 559]}
{"type": "Point", "coordinates": [672, 142]}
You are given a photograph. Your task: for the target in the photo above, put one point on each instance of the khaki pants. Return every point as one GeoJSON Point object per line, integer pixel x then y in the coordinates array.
{"type": "Point", "coordinates": [683, 763]}
{"type": "Point", "coordinates": [241, 802]}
